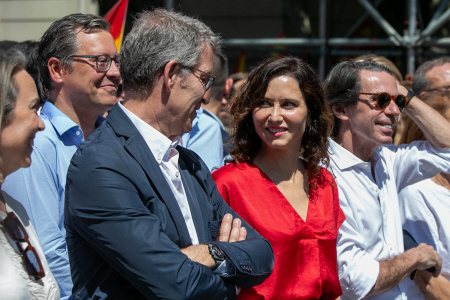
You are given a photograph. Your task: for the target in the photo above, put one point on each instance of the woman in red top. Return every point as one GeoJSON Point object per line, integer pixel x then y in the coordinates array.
{"type": "Point", "coordinates": [281, 122]}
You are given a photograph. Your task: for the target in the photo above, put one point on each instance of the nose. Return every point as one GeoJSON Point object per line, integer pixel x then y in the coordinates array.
{"type": "Point", "coordinates": [392, 109]}
{"type": "Point", "coordinates": [41, 125]}
{"type": "Point", "coordinates": [207, 97]}
{"type": "Point", "coordinates": [113, 70]}
{"type": "Point", "coordinates": [275, 114]}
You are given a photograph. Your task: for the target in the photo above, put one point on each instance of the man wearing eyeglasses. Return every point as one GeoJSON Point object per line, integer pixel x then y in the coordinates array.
{"type": "Point", "coordinates": [366, 103]}
{"type": "Point", "coordinates": [208, 135]}
{"type": "Point", "coordinates": [432, 75]}
{"type": "Point", "coordinates": [143, 216]}
{"type": "Point", "coordinates": [79, 69]}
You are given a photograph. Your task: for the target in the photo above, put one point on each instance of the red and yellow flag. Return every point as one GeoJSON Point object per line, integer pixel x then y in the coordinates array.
{"type": "Point", "coordinates": [116, 16]}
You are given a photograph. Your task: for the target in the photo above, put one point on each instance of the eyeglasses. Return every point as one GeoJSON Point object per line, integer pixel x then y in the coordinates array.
{"type": "Point", "coordinates": [103, 62]}
{"type": "Point", "coordinates": [16, 234]}
{"type": "Point", "coordinates": [443, 88]}
{"type": "Point", "coordinates": [383, 99]}
{"type": "Point", "coordinates": [206, 81]}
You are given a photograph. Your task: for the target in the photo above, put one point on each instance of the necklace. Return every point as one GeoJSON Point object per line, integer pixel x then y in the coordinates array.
{"type": "Point", "coordinates": [441, 183]}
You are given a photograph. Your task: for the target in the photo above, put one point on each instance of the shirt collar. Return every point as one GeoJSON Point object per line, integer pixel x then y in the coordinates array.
{"type": "Point", "coordinates": [159, 144]}
{"type": "Point", "coordinates": [343, 158]}
{"type": "Point", "coordinates": [59, 120]}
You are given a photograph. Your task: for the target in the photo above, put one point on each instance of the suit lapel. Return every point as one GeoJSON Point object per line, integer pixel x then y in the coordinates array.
{"type": "Point", "coordinates": [139, 150]}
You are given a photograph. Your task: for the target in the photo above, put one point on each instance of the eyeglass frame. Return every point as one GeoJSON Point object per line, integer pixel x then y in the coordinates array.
{"type": "Point", "coordinates": [390, 98]}
{"type": "Point", "coordinates": [208, 84]}
{"type": "Point", "coordinates": [109, 60]}
{"type": "Point", "coordinates": [40, 273]}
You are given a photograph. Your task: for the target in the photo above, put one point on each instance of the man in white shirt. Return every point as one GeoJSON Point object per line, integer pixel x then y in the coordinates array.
{"type": "Point", "coordinates": [143, 216]}
{"type": "Point", "coordinates": [370, 171]}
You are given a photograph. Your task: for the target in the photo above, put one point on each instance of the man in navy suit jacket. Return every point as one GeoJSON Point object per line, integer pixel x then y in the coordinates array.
{"type": "Point", "coordinates": [143, 216]}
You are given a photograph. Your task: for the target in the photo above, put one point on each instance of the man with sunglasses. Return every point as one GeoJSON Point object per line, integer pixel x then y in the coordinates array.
{"type": "Point", "coordinates": [366, 103]}
{"type": "Point", "coordinates": [143, 216]}
{"type": "Point", "coordinates": [79, 70]}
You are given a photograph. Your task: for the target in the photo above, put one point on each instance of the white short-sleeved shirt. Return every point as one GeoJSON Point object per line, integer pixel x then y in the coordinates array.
{"type": "Point", "coordinates": [425, 211]}
{"type": "Point", "coordinates": [373, 230]}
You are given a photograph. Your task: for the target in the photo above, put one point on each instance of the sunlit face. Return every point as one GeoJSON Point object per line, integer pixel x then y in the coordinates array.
{"type": "Point", "coordinates": [86, 85]}
{"type": "Point", "coordinates": [372, 127]}
{"type": "Point", "coordinates": [17, 133]}
{"type": "Point", "coordinates": [280, 118]}
{"type": "Point", "coordinates": [189, 94]}
{"type": "Point", "coordinates": [439, 77]}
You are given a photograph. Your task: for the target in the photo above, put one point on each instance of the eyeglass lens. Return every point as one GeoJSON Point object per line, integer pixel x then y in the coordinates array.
{"type": "Point", "coordinates": [384, 99]}
{"type": "Point", "coordinates": [104, 63]}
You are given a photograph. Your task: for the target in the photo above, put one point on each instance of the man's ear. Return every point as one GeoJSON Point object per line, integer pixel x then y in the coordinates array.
{"type": "Point", "coordinates": [227, 88]}
{"type": "Point", "coordinates": [169, 73]}
{"type": "Point", "coordinates": [56, 69]}
{"type": "Point", "coordinates": [340, 111]}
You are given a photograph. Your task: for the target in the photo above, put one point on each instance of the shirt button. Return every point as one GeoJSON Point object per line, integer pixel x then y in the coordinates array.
{"type": "Point", "coordinates": [78, 132]}
{"type": "Point", "coordinates": [158, 157]}
{"type": "Point", "coordinates": [366, 166]}
{"type": "Point", "coordinates": [177, 174]}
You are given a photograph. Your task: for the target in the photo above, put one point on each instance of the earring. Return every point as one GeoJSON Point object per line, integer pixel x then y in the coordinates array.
{"type": "Point", "coordinates": [309, 129]}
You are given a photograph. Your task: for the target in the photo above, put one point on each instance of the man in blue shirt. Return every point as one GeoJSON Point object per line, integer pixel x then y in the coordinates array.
{"type": "Point", "coordinates": [79, 68]}
{"type": "Point", "coordinates": [208, 137]}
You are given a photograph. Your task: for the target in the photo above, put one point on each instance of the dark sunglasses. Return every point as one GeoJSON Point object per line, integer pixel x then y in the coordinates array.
{"type": "Point", "coordinates": [383, 99]}
{"type": "Point", "coordinates": [16, 234]}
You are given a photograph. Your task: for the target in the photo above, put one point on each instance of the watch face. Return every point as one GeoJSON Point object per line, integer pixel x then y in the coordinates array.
{"type": "Point", "coordinates": [218, 253]}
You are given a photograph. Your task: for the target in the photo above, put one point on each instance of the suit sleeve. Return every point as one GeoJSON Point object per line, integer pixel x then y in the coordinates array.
{"type": "Point", "coordinates": [104, 206]}
{"type": "Point", "coordinates": [253, 259]}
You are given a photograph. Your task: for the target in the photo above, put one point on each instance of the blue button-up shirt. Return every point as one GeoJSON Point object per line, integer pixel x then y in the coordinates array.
{"type": "Point", "coordinates": [40, 188]}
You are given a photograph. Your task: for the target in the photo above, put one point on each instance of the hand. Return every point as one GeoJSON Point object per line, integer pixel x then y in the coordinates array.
{"type": "Point", "coordinates": [401, 90]}
{"type": "Point", "coordinates": [433, 288]}
{"type": "Point", "coordinates": [200, 254]}
{"type": "Point", "coordinates": [427, 258]}
{"type": "Point", "coordinates": [237, 233]}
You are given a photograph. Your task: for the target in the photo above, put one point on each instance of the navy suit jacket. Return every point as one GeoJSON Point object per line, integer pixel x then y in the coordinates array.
{"type": "Point", "coordinates": [125, 228]}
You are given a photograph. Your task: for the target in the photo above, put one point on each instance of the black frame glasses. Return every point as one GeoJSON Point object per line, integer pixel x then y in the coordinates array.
{"type": "Point", "coordinates": [383, 99]}
{"type": "Point", "coordinates": [16, 234]}
{"type": "Point", "coordinates": [206, 83]}
{"type": "Point", "coordinates": [102, 62]}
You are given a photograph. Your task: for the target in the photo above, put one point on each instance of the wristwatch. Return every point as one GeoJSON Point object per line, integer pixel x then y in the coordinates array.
{"type": "Point", "coordinates": [410, 95]}
{"type": "Point", "coordinates": [216, 254]}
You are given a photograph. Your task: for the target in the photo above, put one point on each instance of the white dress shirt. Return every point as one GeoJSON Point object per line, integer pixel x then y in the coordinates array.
{"type": "Point", "coordinates": [425, 211]}
{"type": "Point", "coordinates": [373, 230]}
{"type": "Point", "coordinates": [163, 149]}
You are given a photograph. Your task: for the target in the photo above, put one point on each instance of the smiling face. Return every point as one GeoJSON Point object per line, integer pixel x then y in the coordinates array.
{"type": "Point", "coordinates": [18, 131]}
{"type": "Point", "coordinates": [84, 84]}
{"type": "Point", "coordinates": [188, 95]}
{"type": "Point", "coordinates": [371, 127]}
{"type": "Point", "coordinates": [280, 118]}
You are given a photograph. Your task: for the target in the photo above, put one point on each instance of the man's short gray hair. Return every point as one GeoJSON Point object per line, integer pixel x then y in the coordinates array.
{"type": "Point", "coordinates": [157, 37]}
{"type": "Point", "coordinates": [420, 81]}
{"type": "Point", "coordinates": [343, 84]}
{"type": "Point", "coordinates": [220, 71]}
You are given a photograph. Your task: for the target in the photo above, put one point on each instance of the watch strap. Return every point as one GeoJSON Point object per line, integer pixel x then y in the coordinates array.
{"type": "Point", "coordinates": [216, 254]}
{"type": "Point", "coordinates": [410, 95]}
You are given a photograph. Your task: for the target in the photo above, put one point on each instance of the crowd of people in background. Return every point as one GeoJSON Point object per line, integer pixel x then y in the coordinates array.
{"type": "Point", "coordinates": [155, 174]}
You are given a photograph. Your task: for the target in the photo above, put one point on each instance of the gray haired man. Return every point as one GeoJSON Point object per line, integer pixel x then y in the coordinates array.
{"type": "Point", "coordinates": [432, 75]}
{"type": "Point", "coordinates": [143, 216]}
